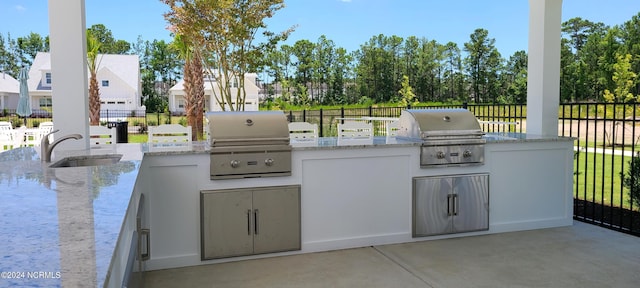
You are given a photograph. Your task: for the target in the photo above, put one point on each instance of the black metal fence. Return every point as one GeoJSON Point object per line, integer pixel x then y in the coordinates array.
{"type": "Point", "coordinates": [137, 120]}
{"type": "Point", "coordinates": [606, 142]}
{"type": "Point", "coordinates": [493, 118]}
{"type": "Point", "coordinates": [9, 115]}
{"type": "Point", "coordinates": [328, 118]}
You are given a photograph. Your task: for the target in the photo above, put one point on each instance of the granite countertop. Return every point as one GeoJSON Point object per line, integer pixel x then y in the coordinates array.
{"type": "Point", "coordinates": [331, 143]}
{"type": "Point", "coordinates": [381, 141]}
{"type": "Point", "coordinates": [508, 137]}
{"type": "Point", "coordinates": [59, 226]}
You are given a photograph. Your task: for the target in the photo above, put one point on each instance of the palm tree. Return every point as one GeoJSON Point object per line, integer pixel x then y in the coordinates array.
{"type": "Point", "coordinates": [193, 84]}
{"type": "Point", "coordinates": [93, 46]}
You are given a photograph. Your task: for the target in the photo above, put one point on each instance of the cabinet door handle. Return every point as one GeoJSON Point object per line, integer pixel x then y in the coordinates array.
{"type": "Point", "coordinates": [449, 204]}
{"type": "Point", "coordinates": [256, 220]}
{"type": "Point", "coordinates": [455, 204]}
{"type": "Point", "coordinates": [249, 222]}
{"type": "Point", "coordinates": [147, 254]}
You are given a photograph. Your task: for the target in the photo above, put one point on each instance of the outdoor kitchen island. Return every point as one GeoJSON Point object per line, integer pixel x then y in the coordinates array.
{"type": "Point", "coordinates": [76, 225]}
{"type": "Point", "coordinates": [356, 196]}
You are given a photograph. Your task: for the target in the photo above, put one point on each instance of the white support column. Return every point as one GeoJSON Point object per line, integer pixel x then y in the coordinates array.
{"type": "Point", "coordinates": [69, 87]}
{"type": "Point", "coordinates": [543, 84]}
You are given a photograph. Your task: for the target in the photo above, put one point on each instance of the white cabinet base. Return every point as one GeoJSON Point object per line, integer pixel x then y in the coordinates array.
{"type": "Point", "coordinates": [359, 196]}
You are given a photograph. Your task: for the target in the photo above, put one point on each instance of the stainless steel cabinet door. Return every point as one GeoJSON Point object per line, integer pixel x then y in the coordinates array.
{"type": "Point", "coordinates": [471, 203]}
{"type": "Point", "coordinates": [227, 227]}
{"type": "Point", "coordinates": [277, 219]}
{"type": "Point", "coordinates": [432, 206]}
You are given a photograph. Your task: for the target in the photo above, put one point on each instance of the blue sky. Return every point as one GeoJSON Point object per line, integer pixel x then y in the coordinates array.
{"type": "Point", "coordinates": [348, 23]}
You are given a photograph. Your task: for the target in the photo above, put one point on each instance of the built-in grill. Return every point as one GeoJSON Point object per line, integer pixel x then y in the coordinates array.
{"type": "Point", "coordinates": [448, 136]}
{"type": "Point", "coordinates": [249, 144]}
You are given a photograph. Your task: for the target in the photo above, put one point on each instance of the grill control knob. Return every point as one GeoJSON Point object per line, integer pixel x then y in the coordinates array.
{"type": "Point", "coordinates": [234, 163]}
{"type": "Point", "coordinates": [440, 155]}
{"type": "Point", "coordinates": [466, 154]}
{"type": "Point", "coordinates": [268, 162]}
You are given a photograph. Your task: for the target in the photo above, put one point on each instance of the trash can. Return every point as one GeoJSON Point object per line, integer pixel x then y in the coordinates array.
{"type": "Point", "coordinates": [122, 132]}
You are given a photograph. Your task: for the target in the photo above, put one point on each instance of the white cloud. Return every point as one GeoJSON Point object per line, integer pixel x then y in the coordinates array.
{"type": "Point", "coordinates": [345, 1]}
{"type": "Point", "coordinates": [20, 8]}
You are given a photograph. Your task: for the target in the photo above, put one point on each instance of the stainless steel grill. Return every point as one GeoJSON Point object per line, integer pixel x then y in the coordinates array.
{"type": "Point", "coordinates": [448, 136]}
{"type": "Point", "coordinates": [249, 144]}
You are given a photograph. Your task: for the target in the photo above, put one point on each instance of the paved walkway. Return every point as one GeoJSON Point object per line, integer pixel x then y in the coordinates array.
{"type": "Point", "coordinates": [608, 151]}
{"type": "Point", "coordinates": [581, 255]}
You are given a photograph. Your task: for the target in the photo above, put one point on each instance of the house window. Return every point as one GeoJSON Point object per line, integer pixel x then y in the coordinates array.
{"type": "Point", "coordinates": [105, 83]}
{"type": "Point", "coordinates": [209, 77]}
{"type": "Point", "coordinates": [235, 83]}
{"type": "Point", "coordinates": [47, 78]}
{"type": "Point", "coordinates": [45, 102]}
{"type": "Point", "coordinates": [181, 104]}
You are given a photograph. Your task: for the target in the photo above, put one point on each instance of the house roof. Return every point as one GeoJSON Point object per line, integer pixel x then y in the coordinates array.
{"type": "Point", "coordinates": [126, 67]}
{"type": "Point", "coordinates": [8, 84]}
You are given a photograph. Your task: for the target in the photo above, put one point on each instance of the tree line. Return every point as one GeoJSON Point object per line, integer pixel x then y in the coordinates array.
{"type": "Point", "coordinates": [598, 63]}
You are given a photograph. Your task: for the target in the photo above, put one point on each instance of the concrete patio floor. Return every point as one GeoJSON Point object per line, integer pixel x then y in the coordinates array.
{"type": "Point", "coordinates": [581, 255]}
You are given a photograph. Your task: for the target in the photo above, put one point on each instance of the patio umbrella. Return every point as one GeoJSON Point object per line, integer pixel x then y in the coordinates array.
{"type": "Point", "coordinates": [24, 104]}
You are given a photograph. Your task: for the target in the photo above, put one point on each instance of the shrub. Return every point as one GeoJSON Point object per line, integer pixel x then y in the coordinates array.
{"type": "Point", "coordinates": [17, 123]}
{"type": "Point", "coordinates": [183, 121]}
{"type": "Point", "coordinates": [631, 180]}
{"type": "Point", "coordinates": [152, 123]}
{"type": "Point", "coordinates": [143, 129]}
{"type": "Point", "coordinates": [364, 100]}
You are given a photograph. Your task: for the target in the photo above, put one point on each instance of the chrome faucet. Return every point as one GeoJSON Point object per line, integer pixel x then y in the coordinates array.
{"type": "Point", "coordinates": [46, 148]}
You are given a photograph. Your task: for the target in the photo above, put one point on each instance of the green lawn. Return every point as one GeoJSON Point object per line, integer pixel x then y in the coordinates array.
{"type": "Point", "coordinates": [138, 138]}
{"type": "Point", "coordinates": [598, 179]}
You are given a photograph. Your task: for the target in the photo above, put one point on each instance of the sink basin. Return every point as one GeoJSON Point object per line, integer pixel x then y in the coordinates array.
{"type": "Point", "coordinates": [92, 160]}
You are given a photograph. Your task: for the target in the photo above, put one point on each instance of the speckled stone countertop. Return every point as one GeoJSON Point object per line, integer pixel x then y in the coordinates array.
{"type": "Point", "coordinates": [59, 226]}
{"type": "Point", "coordinates": [522, 137]}
{"type": "Point", "coordinates": [332, 142]}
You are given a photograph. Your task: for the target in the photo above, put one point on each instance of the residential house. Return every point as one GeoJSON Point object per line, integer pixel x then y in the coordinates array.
{"type": "Point", "coordinates": [177, 94]}
{"type": "Point", "coordinates": [9, 92]}
{"type": "Point", "coordinates": [118, 80]}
